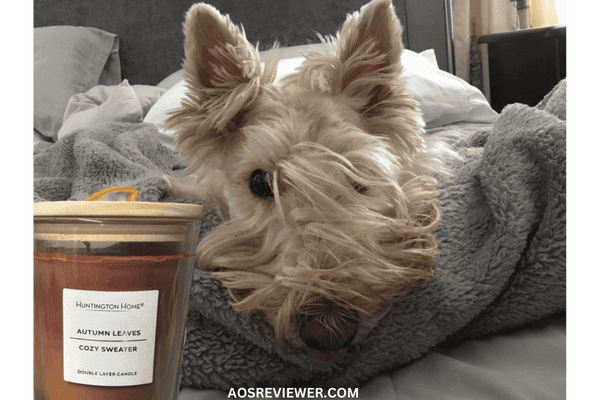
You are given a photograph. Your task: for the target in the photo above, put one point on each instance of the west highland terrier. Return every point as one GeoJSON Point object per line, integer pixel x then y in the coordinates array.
{"type": "Point", "coordinates": [326, 181]}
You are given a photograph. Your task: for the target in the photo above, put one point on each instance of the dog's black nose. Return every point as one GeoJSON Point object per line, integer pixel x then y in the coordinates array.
{"type": "Point", "coordinates": [329, 333]}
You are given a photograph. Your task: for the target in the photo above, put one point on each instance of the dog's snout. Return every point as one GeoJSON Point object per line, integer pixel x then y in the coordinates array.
{"type": "Point", "coordinates": [328, 332]}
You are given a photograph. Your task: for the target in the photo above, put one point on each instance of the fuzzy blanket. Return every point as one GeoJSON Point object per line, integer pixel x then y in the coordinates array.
{"type": "Point", "coordinates": [502, 261]}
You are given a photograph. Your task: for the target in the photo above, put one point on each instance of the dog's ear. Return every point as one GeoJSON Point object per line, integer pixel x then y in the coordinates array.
{"type": "Point", "coordinates": [369, 50]}
{"type": "Point", "coordinates": [223, 74]}
{"type": "Point", "coordinates": [217, 54]}
{"type": "Point", "coordinates": [370, 43]}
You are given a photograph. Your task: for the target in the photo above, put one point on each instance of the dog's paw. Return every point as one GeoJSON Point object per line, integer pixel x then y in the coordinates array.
{"type": "Point", "coordinates": [185, 186]}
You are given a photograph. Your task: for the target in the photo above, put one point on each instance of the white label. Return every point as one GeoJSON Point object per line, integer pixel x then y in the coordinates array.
{"type": "Point", "coordinates": [109, 337]}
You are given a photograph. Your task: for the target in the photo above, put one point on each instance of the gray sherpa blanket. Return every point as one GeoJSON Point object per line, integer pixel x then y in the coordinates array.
{"type": "Point", "coordinates": [501, 264]}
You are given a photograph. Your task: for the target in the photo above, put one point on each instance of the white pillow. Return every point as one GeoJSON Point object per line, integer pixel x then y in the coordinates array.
{"type": "Point", "coordinates": [166, 104]}
{"type": "Point", "coordinates": [443, 97]}
{"type": "Point", "coordinates": [428, 55]}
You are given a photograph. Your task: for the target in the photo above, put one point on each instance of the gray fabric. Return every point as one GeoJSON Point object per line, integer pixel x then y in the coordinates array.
{"type": "Point", "coordinates": [527, 364]}
{"type": "Point", "coordinates": [101, 156]}
{"type": "Point", "coordinates": [501, 263]}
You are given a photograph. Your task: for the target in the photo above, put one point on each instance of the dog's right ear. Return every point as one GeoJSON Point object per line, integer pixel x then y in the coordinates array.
{"type": "Point", "coordinates": [222, 73]}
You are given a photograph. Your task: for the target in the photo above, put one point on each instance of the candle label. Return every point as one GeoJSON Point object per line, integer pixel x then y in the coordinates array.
{"type": "Point", "coordinates": [109, 337]}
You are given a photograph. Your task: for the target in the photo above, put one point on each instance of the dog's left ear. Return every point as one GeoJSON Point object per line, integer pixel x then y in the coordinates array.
{"type": "Point", "coordinates": [370, 44]}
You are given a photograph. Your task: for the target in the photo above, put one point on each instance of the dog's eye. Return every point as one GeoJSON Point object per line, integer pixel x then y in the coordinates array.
{"type": "Point", "coordinates": [359, 188]}
{"type": "Point", "coordinates": [260, 184]}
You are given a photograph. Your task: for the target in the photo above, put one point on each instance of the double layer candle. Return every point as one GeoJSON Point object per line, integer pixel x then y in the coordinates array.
{"type": "Point", "coordinates": [111, 288]}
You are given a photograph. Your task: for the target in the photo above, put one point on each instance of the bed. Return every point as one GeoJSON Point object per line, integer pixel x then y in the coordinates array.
{"type": "Point", "coordinates": [492, 325]}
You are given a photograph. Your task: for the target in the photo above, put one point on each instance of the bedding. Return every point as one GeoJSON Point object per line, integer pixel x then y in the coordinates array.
{"type": "Point", "coordinates": [69, 60]}
{"type": "Point", "coordinates": [501, 262]}
{"type": "Point", "coordinates": [526, 364]}
{"type": "Point", "coordinates": [121, 102]}
{"type": "Point", "coordinates": [491, 325]}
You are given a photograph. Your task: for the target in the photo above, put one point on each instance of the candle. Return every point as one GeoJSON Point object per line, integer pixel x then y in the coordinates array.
{"type": "Point", "coordinates": [110, 300]}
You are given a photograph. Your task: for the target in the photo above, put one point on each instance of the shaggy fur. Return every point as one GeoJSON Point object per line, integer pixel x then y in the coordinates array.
{"type": "Point", "coordinates": [326, 182]}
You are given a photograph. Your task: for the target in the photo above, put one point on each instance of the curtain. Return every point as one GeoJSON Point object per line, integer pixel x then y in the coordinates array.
{"type": "Point", "coordinates": [473, 18]}
{"type": "Point", "coordinates": [542, 13]}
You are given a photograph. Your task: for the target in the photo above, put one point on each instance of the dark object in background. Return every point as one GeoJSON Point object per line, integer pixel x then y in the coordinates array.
{"type": "Point", "coordinates": [524, 65]}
